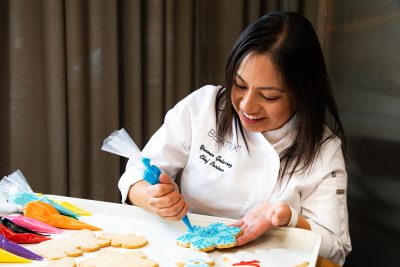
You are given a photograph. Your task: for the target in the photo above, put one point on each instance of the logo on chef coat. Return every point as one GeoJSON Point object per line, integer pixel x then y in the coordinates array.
{"type": "Point", "coordinates": [225, 143]}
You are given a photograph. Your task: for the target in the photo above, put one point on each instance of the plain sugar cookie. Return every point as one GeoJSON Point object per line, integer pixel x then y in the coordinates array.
{"type": "Point", "coordinates": [72, 246]}
{"type": "Point", "coordinates": [125, 240]}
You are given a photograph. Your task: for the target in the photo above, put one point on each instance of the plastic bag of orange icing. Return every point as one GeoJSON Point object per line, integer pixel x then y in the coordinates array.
{"type": "Point", "coordinates": [48, 214]}
{"type": "Point", "coordinates": [8, 257]}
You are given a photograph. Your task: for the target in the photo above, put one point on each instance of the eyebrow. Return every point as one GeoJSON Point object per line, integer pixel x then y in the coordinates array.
{"type": "Point", "coordinates": [262, 87]}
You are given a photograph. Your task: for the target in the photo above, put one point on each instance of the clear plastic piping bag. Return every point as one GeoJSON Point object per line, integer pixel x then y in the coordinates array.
{"type": "Point", "coordinates": [9, 185]}
{"type": "Point", "coordinates": [120, 143]}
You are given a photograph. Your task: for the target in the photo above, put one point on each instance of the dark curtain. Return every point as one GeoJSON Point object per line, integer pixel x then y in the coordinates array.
{"type": "Point", "coordinates": [73, 71]}
{"type": "Point", "coordinates": [362, 51]}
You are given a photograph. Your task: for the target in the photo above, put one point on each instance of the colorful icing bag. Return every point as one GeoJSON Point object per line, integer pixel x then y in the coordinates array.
{"type": "Point", "coordinates": [120, 143]}
{"type": "Point", "coordinates": [15, 228]}
{"type": "Point", "coordinates": [7, 257]}
{"type": "Point", "coordinates": [21, 238]}
{"type": "Point", "coordinates": [32, 224]}
{"type": "Point", "coordinates": [73, 208]}
{"type": "Point", "coordinates": [22, 198]}
{"type": "Point", "coordinates": [17, 249]}
{"type": "Point", "coordinates": [48, 214]}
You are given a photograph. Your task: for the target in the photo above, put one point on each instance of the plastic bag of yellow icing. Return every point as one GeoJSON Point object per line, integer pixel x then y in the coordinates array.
{"type": "Point", "coordinates": [8, 257]}
{"type": "Point", "coordinates": [72, 208]}
{"type": "Point", "coordinates": [48, 214]}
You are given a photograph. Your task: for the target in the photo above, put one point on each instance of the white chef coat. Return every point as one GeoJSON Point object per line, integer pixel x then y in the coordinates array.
{"type": "Point", "coordinates": [220, 177]}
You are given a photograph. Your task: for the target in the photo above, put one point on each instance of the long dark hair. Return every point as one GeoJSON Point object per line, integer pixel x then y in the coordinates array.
{"type": "Point", "coordinates": [292, 44]}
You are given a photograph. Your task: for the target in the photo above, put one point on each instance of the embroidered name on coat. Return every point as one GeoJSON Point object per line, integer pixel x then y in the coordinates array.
{"type": "Point", "coordinates": [209, 158]}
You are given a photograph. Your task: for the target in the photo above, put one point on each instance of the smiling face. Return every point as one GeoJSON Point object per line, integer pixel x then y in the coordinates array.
{"type": "Point", "coordinates": [258, 95]}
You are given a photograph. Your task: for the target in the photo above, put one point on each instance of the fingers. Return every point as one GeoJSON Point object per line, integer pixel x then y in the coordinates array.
{"type": "Point", "coordinates": [281, 215]}
{"type": "Point", "coordinates": [165, 187]}
{"type": "Point", "coordinates": [250, 232]}
{"type": "Point", "coordinates": [237, 224]}
{"type": "Point", "coordinates": [166, 200]}
{"type": "Point", "coordinates": [254, 224]}
{"type": "Point", "coordinates": [261, 220]}
{"type": "Point", "coordinates": [178, 216]}
{"type": "Point", "coordinates": [161, 190]}
{"type": "Point", "coordinates": [242, 240]}
{"type": "Point", "coordinates": [165, 179]}
{"type": "Point", "coordinates": [174, 213]}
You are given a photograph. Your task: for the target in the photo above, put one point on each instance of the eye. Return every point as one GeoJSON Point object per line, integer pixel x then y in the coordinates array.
{"type": "Point", "coordinates": [240, 86]}
{"type": "Point", "coordinates": [270, 98]}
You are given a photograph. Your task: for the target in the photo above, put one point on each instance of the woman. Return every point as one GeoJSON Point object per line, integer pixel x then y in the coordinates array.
{"type": "Point", "coordinates": [258, 149]}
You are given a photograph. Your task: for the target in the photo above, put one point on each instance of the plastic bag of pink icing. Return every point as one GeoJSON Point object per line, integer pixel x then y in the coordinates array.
{"type": "Point", "coordinates": [33, 224]}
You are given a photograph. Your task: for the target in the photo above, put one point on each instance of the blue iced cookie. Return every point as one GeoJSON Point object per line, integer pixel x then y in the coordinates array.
{"type": "Point", "coordinates": [206, 238]}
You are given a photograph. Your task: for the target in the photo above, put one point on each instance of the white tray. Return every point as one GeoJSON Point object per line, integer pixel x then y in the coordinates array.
{"type": "Point", "coordinates": [290, 246]}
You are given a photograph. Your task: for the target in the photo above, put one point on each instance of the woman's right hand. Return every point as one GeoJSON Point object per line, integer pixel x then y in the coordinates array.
{"type": "Point", "coordinates": [165, 200]}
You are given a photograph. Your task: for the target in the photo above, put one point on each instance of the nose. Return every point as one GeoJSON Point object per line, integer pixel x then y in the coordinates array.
{"type": "Point", "coordinates": [248, 103]}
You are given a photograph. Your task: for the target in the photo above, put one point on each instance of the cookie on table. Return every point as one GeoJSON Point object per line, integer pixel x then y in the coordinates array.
{"type": "Point", "coordinates": [72, 246]}
{"type": "Point", "coordinates": [206, 238]}
{"type": "Point", "coordinates": [63, 262]}
{"type": "Point", "coordinates": [129, 241]}
{"type": "Point", "coordinates": [185, 257]}
{"type": "Point", "coordinates": [109, 258]}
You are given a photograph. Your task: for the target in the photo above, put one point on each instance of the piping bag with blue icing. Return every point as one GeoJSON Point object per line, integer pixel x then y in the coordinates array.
{"type": "Point", "coordinates": [120, 143]}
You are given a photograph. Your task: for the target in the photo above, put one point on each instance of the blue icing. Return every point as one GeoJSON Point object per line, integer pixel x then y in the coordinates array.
{"type": "Point", "coordinates": [209, 237]}
{"type": "Point", "coordinates": [226, 239]}
{"type": "Point", "coordinates": [196, 263]}
{"type": "Point", "coordinates": [202, 243]}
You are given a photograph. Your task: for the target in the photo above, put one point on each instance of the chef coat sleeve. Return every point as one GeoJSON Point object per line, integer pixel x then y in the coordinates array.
{"type": "Point", "coordinates": [325, 205]}
{"type": "Point", "coordinates": [168, 148]}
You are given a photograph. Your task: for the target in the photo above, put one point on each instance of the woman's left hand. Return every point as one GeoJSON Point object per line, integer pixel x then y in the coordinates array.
{"type": "Point", "coordinates": [261, 220]}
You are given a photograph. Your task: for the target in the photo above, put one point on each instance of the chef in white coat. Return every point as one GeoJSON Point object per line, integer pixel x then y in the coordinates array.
{"type": "Point", "coordinates": [257, 149]}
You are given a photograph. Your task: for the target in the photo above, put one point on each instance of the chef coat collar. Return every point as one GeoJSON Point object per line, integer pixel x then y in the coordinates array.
{"type": "Point", "coordinates": [275, 135]}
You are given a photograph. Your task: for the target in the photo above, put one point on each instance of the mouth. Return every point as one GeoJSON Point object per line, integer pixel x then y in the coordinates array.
{"type": "Point", "coordinates": [251, 119]}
